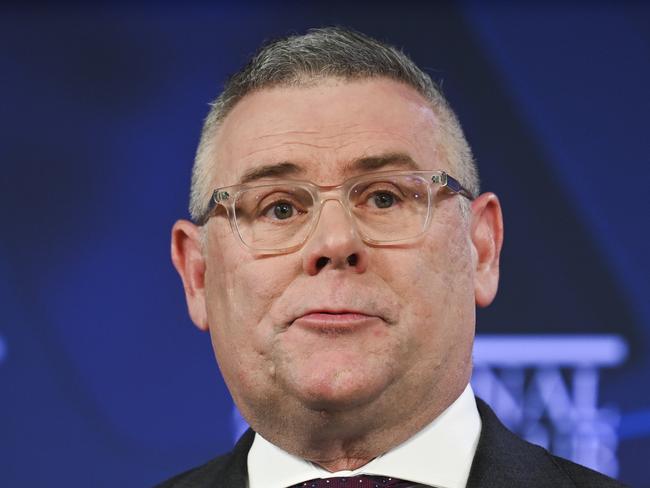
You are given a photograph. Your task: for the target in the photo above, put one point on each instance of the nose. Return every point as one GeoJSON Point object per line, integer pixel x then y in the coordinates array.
{"type": "Point", "coordinates": [335, 243]}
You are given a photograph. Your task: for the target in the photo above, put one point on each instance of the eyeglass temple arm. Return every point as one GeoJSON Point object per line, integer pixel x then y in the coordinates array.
{"type": "Point", "coordinates": [452, 184]}
{"type": "Point", "coordinates": [217, 196]}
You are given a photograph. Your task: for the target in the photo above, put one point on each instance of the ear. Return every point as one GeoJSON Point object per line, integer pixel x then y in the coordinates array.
{"type": "Point", "coordinates": [487, 239]}
{"type": "Point", "coordinates": [188, 260]}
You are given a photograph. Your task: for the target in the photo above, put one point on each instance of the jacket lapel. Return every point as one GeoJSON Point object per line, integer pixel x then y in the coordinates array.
{"type": "Point", "coordinates": [503, 459]}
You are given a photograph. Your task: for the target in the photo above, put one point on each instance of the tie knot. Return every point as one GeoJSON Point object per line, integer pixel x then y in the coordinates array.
{"type": "Point", "coordinates": [363, 481]}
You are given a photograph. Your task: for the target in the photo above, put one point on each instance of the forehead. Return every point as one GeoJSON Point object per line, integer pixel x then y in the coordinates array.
{"type": "Point", "coordinates": [324, 127]}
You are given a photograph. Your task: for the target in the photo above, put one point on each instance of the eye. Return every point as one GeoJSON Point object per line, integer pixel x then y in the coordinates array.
{"type": "Point", "coordinates": [280, 211]}
{"type": "Point", "coordinates": [382, 199]}
{"type": "Point", "coordinates": [378, 195]}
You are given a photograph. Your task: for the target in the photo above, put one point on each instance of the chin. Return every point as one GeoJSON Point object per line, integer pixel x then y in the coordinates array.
{"type": "Point", "coordinates": [339, 394]}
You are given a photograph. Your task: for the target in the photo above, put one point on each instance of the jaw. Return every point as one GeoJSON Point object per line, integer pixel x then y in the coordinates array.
{"type": "Point", "coordinates": [345, 433]}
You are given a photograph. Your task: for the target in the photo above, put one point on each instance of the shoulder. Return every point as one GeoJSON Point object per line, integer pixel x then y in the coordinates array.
{"type": "Point", "coordinates": [503, 459]}
{"type": "Point", "coordinates": [199, 476]}
{"type": "Point", "coordinates": [586, 477]}
{"type": "Point", "coordinates": [227, 470]}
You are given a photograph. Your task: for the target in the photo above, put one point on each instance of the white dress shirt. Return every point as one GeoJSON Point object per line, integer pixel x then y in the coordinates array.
{"type": "Point", "coordinates": [440, 455]}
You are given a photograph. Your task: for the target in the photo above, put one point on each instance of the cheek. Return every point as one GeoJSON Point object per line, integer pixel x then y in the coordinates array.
{"type": "Point", "coordinates": [437, 272]}
{"type": "Point", "coordinates": [436, 288]}
{"type": "Point", "coordinates": [240, 292]}
{"type": "Point", "coordinates": [240, 287]}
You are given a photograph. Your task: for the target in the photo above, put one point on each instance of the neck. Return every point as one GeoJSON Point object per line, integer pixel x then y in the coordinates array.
{"type": "Point", "coordinates": [348, 440]}
{"type": "Point", "coordinates": [344, 464]}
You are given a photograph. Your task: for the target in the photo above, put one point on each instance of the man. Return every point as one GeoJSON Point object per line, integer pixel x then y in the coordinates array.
{"type": "Point", "coordinates": [339, 248]}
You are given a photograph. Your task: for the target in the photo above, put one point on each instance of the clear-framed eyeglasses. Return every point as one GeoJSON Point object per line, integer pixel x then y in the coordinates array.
{"type": "Point", "coordinates": [385, 208]}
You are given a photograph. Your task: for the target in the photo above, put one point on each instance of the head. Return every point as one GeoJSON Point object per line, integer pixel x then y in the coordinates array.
{"type": "Point", "coordinates": [319, 55]}
{"type": "Point", "coordinates": [338, 344]}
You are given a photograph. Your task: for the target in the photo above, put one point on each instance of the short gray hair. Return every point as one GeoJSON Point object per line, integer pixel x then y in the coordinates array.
{"type": "Point", "coordinates": [331, 52]}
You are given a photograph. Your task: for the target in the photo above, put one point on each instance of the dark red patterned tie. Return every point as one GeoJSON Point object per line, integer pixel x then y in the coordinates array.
{"type": "Point", "coordinates": [363, 481]}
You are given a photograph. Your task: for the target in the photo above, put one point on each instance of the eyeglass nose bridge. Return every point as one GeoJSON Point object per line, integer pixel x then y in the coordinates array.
{"type": "Point", "coordinates": [338, 194]}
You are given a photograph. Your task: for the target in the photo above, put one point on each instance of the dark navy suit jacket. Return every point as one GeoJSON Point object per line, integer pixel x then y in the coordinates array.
{"type": "Point", "coordinates": [502, 460]}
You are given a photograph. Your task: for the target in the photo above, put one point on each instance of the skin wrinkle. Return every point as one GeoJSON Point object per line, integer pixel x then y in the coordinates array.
{"type": "Point", "coordinates": [304, 132]}
{"type": "Point", "coordinates": [338, 148]}
{"type": "Point", "coordinates": [346, 132]}
{"type": "Point", "coordinates": [351, 136]}
{"type": "Point", "coordinates": [296, 143]}
{"type": "Point", "coordinates": [339, 399]}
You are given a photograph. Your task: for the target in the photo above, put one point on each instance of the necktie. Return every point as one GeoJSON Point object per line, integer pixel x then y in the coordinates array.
{"type": "Point", "coordinates": [363, 481]}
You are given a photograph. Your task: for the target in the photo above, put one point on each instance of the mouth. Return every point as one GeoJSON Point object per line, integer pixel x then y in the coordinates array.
{"type": "Point", "coordinates": [334, 320]}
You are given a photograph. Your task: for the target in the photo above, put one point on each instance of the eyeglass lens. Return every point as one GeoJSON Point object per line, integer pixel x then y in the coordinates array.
{"type": "Point", "coordinates": [385, 209]}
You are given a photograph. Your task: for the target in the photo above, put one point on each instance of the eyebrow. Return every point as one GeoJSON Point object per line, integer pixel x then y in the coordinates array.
{"type": "Point", "coordinates": [373, 163]}
{"type": "Point", "coordinates": [285, 168]}
{"type": "Point", "coordinates": [369, 163]}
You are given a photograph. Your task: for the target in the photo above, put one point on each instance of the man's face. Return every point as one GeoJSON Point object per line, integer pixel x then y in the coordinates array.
{"type": "Point", "coordinates": [382, 335]}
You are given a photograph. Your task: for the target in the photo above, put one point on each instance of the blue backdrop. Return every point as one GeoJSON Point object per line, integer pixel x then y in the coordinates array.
{"type": "Point", "coordinates": [103, 379]}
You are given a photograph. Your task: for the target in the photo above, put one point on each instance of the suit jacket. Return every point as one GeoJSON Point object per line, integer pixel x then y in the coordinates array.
{"type": "Point", "coordinates": [502, 460]}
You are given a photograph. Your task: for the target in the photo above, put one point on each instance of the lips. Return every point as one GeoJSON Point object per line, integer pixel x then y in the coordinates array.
{"type": "Point", "coordinates": [334, 319]}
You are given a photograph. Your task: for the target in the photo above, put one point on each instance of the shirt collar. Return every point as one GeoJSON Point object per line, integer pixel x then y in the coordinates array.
{"type": "Point", "coordinates": [440, 455]}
